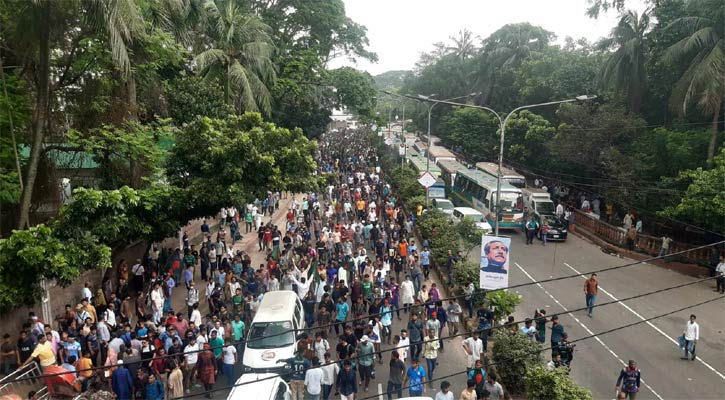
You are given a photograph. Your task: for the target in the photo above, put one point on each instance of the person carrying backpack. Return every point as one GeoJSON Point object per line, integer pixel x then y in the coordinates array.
{"type": "Point", "coordinates": [628, 381]}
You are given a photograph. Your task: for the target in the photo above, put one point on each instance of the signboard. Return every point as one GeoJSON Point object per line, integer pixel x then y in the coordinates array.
{"type": "Point", "coordinates": [427, 179]}
{"type": "Point", "coordinates": [401, 150]}
{"type": "Point", "coordinates": [494, 262]}
{"type": "Point", "coordinates": [374, 127]}
{"type": "Point", "coordinates": [380, 131]}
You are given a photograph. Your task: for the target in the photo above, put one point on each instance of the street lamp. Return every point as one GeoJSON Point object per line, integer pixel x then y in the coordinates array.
{"type": "Point", "coordinates": [502, 123]}
{"type": "Point", "coordinates": [430, 109]}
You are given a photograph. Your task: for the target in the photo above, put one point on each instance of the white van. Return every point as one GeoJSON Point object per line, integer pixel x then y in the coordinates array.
{"type": "Point", "coordinates": [261, 387]}
{"type": "Point", "coordinates": [459, 213]}
{"type": "Point", "coordinates": [272, 336]}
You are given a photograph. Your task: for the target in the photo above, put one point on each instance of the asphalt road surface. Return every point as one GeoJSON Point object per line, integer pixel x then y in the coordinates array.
{"type": "Point", "coordinates": [653, 344]}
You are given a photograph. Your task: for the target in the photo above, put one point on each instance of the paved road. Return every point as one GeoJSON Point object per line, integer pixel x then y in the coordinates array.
{"type": "Point", "coordinates": [451, 361]}
{"type": "Point", "coordinates": [653, 345]}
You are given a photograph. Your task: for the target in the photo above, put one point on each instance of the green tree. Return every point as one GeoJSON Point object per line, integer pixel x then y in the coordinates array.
{"type": "Point", "coordinates": [464, 45]}
{"type": "Point", "coordinates": [624, 70]}
{"type": "Point", "coordinates": [30, 255]}
{"type": "Point", "coordinates": [514, 356]}
{"type": "Point", "coordinates": [218, 162]}
{"type": "Point", "coordinates": [542, 384]}
{"type": "Point", "coordinates": [354, 90]}
{"type": "Point", "coordinates": [473, 132]}
{"type": "Point", "coordinates": [527, 136]}
{"type": "Point", "coordinates": [189, 97]}
{"type": "Point", "coordinates": [704, 200]}
{"type": "Point", "coordinates": [43, 27]}
{"type": "Point", "coordinates": [703, 82]}
{"type": "Point", "coordinates": [240, 54]}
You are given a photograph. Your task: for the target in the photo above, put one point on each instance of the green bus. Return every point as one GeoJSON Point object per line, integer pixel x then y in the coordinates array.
{"type": "Point", "coordinates": [477, 189]}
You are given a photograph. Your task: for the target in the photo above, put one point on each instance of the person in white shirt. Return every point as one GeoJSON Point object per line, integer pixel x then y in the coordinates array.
{"type": "Point", "coordinates": [692, 335]}
{"type": "Point", "coordinates": [157, 302]}
{"type": "Point", "coordinates": [720, 273]}
{"type": "Point", "coordinates": [229, 359]}
{"type": "Point", "coordinates": [445, 393]}
{"type": "Point", "coordinates": [473, 346]}
{"type": "Point", "coordinates": [86, 292]}
{"type": "Point", "coordinates": [560, 210]}
{"type": "Point", "coordinates": [195, 315]}
{"type": "Point", "coordinates": [191, 355]}
{"type": "Point", "coordinates": [403, 345]}
{"type": "Point", "coordinates": [322, 346]}
{"type": "Point", "coordinates": [111, 316]}
{"type": "Point", "coordinates": [313, 380]}
{"type": "Point", "coordinates": [330, 370]}
{"type": "Point", "coordinates": [528, 330]}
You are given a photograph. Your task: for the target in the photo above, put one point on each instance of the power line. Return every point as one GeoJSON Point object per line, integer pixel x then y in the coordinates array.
{"type": "Point", "coordinates": [494, 363]}
{"type": "Point", "coordinates": [582, 338]}
{"type": "Point", "coordinates": [507, 324]}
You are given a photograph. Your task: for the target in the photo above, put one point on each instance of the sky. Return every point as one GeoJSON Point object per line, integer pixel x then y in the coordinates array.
{"type": "Point", "coordinates": [399, 30]}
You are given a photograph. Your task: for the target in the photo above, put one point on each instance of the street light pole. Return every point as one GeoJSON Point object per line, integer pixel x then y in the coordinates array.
{"type": "Point", "coordinates": [430, 110]}
{"type": "Point", "coordinates": [502, 127]}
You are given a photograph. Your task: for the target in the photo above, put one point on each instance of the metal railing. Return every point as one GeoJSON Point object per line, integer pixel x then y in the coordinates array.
{"type": "Point", "coordinates": [19, 384]}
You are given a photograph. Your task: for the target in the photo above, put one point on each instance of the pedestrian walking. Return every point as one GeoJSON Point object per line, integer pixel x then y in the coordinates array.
{"type": "Point", "coordinates": [313, 381]}
{"type": "Point", "coordinates": [366, 353]}
{"type": "Point", "coordinates": [692, 335]}
{"type": "Point", "coordinates": [493, 388]}
{"type": "Point", "coordinates": [628, 381]}
{"type": "Point", "coordinates": [298, 365]}
{"type": "Point", "coordinates": [591, 287]}
{"type": "Point", "coordinates": [445, 393]}
{"type": "Point", "coordinates": [415, 379]}
{"type": "Point", "coordinates": [430, 352]}
{"type": "Point", "coordinates": [330, 370]}
{"type": "Point", "coordinates": [396, 376]}
{"type": "Point", "coordinates": [347, 382]}
{"type": "Point", "coordinates": [206, 365]}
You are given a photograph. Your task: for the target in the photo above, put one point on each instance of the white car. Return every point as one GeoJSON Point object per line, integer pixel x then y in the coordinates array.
{"type": "Point", "coordinates": [260, 387]}
{"type": "Point", "coordinates": [445, 205]}
{"type": "Point", "coordinates": [459, 213]}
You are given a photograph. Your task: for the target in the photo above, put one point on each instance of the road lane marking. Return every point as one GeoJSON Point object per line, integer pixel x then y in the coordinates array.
{"type": "Point", "coordinates": [653, 326]}
{"type": "Point", "coordinates": [380, 391]}
{"type": "Point", "coordinates": [589, 331]}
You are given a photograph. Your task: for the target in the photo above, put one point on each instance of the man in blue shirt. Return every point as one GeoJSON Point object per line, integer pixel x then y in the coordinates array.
{"type": "Point", "coordinates": [341, 310]}
{"type": "Point", "coordinates": [415, 377]}
{"type": "Point", "coordinates": [425, 261]}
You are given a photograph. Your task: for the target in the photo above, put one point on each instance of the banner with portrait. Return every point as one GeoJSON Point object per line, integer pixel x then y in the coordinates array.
{"type": "Point", "coordinates": [494, 262]}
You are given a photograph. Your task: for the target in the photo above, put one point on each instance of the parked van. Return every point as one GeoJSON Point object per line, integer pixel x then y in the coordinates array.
{"type": "Point", "coordinates": [260, 387]}
{"type": "Point", "coordinates": [459, 213]}
{"type": "Point", "coordinates": [273, 333]}
{"type": "Point", "coordinates": [538, 201]}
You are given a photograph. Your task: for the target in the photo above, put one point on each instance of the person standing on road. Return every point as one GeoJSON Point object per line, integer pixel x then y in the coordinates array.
{"type": "Point", "coordinates": [557, 331]}
{"type": "Point", "coordinates": [591, 287]}
{"type": "Point", "coordinates": [628, 381]}
{"type": "Point", "coordinates": [540, 318]}
{"type": "Point", "coordinates": [494, 388]}
{"type": "Point", "coordinates": [298, 365]}
{"type": "Point", "coordinates": [473, 346]}
{"type": "Point", "coordinates": [720, 272]}
{"type": "Point", "coordinates": [692, 335]}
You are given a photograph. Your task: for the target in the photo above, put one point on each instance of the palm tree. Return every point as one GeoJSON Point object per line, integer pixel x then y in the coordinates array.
{"type": "Point", "coordinates": [43, 23]}
{"type": "Point", "coordinates": [703, 47]}
{"type": "Point", "coordinates": [624, 70]}
{"type": "Point", "coordinates": [507, 48]}
{"type": "Point", "coordinates": [240, 53]}
{"type": "Point", "coordinates": [463, 45]}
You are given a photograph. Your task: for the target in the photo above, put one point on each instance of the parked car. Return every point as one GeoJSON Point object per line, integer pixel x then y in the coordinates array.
{"type": "Point", "coordinates": [445, 205]}
{"type": "Point", "coordinates": [557, 228]}
{"type": "Point", "coordinates": [461, 213]}
{"type": "Point", "coordinates": [260, 387]}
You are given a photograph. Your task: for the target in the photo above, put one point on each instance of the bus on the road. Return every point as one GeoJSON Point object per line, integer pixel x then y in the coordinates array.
{"type": "Point", "coordinates": [510, 176]}
{"type": "Point", "coordinates": [476, 189]}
